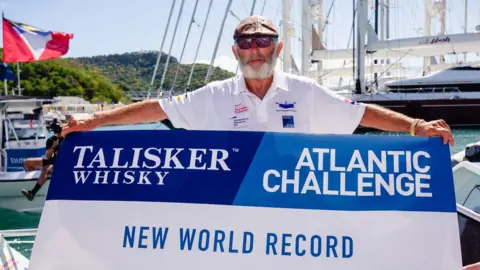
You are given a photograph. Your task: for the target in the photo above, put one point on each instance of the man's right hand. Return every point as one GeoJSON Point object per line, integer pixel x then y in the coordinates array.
{"type": "Point", "coordinates": [79, 122]}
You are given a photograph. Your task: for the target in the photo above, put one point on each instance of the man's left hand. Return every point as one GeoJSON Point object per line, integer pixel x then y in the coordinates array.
{"type": "Point", "coordinates": [437, 128]}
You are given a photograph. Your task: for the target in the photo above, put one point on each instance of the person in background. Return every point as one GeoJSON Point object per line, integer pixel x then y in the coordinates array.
{"type": "Point", "coordinates": [47, 161]}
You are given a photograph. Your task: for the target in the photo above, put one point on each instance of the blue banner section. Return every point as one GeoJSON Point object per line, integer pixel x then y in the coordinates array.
{"type": "Point", "coordinates": [330, 172]}
{"type": "Point", "coordinates": [16, 157]}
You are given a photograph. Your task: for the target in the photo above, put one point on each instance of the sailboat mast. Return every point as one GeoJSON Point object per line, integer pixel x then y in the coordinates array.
{"type": "Point", "coordinates": [465, 27]}
{"type": "Point", "coordinates": [161, 47]}
{"type": "Point", "coordinates": [18, 78]}
{"type": "Point", "coordinates": [209, 72]}
{"type": "Point", "coordinates": [251, 13]}
{"type": "Point", "coordinates": [192, 20]}
{"type": "Point", "coordinates": [171, 46]}
{"type": "Point", "coordinates": [362, 17]}
{"type": "Point", "coordinates": [199, 43]}
{"type": "Point", "coordinates": [306, 37]}
{"type": "Point", "coordinates": [287, 63]}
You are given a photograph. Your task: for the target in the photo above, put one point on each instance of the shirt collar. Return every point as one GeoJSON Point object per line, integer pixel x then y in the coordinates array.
{"type": "Point", "coordinates": [279, 82]}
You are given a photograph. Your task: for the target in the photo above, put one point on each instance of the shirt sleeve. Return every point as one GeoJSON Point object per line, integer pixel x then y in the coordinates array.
{"type": "Point", "coordinates": [335, 114]}
{"type": "Point", "coordinates": [187, 111]}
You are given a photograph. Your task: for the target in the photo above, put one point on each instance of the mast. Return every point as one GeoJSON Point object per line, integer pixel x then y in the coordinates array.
{"type": "Point", "coordinates": [198, 46]}
{"type": "Point", "coordinates": [251, 13]}
{"type": "Point", "coordinates": [306, 37]}
{"type": "Point", "coordinates": [375, 75]}
{"type": "Point", "coordinates": [192, 20]}
{"type": "Point", "coordinates": [287, 63]}
{"type": "Point", "coordinates": [428, 20]}
{"type": "Point", "coordinates": [161, 47]}
{"type": "Point", "coordinates": [362, 17]}
{"type": "Point", "coordinates": [320, 28]}
{"type": "Point", "coordinates": [171, 46]}
{"type": "Point", "coordinates": [465, 27]}
{"type": "Point", "coordinates": [209, 72]}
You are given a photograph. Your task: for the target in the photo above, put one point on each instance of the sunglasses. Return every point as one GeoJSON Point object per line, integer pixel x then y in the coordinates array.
{"type": "Point", "coordinates": [262, 42]}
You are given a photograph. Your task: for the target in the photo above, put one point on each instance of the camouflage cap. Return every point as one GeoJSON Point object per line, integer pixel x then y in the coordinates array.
{"type": "Point", "coordinates": [255, 26]}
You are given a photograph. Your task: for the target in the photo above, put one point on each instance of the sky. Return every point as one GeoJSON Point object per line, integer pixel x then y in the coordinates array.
{"type": "Point", "coordinates": [103, 27]}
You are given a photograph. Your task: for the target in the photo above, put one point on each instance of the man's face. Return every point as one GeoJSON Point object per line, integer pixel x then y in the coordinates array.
{"type": "Point", "coordinates": [256, 56]}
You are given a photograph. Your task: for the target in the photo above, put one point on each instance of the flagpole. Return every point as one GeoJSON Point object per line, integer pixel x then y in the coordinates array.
{"type": "Point", "coordinates": [6, 89]}
{"type": "Point", "coordinates": [18, 78]}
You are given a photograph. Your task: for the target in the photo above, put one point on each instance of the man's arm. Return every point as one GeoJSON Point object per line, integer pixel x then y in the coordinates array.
{"type": "Point", "coordinates": [140, 112]}
{"type": "Point", "coordinates": [388, 120]}
{"type": "Point", "coordinates": [146, 111]}
{"type": "Point", "coordinates": [385, 119]}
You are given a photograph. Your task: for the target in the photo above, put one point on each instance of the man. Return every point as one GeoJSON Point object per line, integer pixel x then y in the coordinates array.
{"type": "Point", "coordinates": [262, 99]}
{"type": "Point", "coordinates": [47, 161]}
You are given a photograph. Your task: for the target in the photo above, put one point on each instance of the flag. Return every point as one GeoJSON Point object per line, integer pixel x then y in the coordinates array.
{"type": "Point", "coordinates": [26, 43]}
{"type": "Point", "coordinates": [6, 73]}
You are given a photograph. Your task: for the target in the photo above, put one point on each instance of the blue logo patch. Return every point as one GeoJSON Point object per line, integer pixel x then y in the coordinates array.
{"type": "Point", "coordinates": [288, 121]}
{"type": "Point", "coordinates": [286, 105]}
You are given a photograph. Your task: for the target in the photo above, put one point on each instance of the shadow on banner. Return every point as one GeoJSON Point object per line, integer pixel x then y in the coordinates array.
{"type": "Point", "coordinates": [248, 200]}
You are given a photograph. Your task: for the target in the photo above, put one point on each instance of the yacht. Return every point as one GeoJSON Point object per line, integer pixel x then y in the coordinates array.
{"type": "Point", "coordinates": [452, 95]}
{"type": "Point", "coordinates": [23, 135]}
{"type": "Point", "coordinates": [463, 78]}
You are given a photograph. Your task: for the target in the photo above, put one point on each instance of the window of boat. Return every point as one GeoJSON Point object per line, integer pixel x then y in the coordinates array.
{"type": "Point", "coordinates": [25, 129]}
{"type": "Point", "coordinates": [473, 199]}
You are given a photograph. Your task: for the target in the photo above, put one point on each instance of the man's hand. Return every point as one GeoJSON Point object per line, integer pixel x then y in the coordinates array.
{"type": "Point", "coordinates": [437, 128]}
{"type": "Point", "coordinates": [475, 266]}
{"type": "Point", "coordinates": [79, 122]}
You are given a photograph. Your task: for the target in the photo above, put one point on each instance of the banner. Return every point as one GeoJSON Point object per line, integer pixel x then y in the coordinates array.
{"type": "Point", "coordinates": [173, 199]}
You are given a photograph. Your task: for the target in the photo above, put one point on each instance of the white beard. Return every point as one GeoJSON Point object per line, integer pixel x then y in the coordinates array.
{"type": "Point", "coordinates": [264, 71]}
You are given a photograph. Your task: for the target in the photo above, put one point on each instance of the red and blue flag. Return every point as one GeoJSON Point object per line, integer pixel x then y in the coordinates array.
{"type": "Point", "coordinates": [26, 43]}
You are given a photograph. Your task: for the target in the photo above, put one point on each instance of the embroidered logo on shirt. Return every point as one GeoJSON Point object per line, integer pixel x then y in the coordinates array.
{"type": "Point", "coordinates": [288, 121]}
{"type": "Point", "coordinates": [240, 122]}
{"type": "Point", "coordinates": [286, 107]}
{"type": "Point", "coordinates": [239, 108]}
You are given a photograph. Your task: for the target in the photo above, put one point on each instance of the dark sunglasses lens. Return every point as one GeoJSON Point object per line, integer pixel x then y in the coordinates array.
{"type": "Point", "coordinates": [263, 42]}
{"type": "Point", "coordinates": [244, 43]}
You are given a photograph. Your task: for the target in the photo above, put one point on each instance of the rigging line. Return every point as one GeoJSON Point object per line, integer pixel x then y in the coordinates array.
{"type": "Point", "coordinates": [192, 21]}
{"type": "Point", "coordinates": [234, 15]}
{"type": "Point", "coordinates": [198, 46]}
{"type": "Point", "coordinates": [244, 6]}
{"type": "Point", "coordinates": [161, 48]}
{"type": "Point", "coordinates": [328, 14]}
{"type": "Point", "coordinates": [342, 66]}
{"type": "Point", "coordinates": [210, 67]}
{"type": "Point", "coordinates": [263, 7]}
{"type": "Point", "coordinates": [251, 13]}
{"type": "Point", "coordinates": [392, 65]}
{"type": "Point", "coordinates": [171, 46]}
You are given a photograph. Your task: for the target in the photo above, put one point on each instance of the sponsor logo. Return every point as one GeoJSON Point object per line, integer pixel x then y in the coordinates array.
{"type": "Point", "coordinates": [240, 122]}
{"type": "Point", "coordinates": [239, 108]}
{"type": "Point", "coordinates": [142, 166]}
{"type": "Point", "coordinates": [286, 107]}
{"type": "Point", "coordinates": [288, 121]}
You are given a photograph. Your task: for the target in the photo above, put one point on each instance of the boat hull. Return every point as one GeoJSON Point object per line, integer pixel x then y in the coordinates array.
{"type": "Point", "coordinates": [456, 112]}
{"type": "Point", "coordinates": [11, 184]}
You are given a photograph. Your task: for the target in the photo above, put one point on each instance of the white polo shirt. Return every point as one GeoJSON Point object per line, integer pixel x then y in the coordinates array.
{"type": "Point", "coordinates": [292, 104]}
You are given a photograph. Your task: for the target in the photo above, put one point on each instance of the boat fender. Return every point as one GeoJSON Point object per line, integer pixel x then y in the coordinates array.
{"type": "Point", "coordinates": [472, 152]}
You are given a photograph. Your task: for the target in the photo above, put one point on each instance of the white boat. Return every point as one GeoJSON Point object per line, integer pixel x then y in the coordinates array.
{"type": "Point", "coordinates": [464, 78]}
{"type": "Point", "coordinates": [23, 135]}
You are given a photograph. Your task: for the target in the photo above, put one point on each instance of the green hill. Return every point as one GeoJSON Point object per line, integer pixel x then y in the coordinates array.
{"type": "Point", "coordinates": [104, 78]}
{"type": "Point", "coordinates": [61, 77]}
{"type": "Point", "coordinates": [133, 71]}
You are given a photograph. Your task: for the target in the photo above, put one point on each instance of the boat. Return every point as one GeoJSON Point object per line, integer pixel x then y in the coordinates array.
{"type": "Point", "coordinates": [463, 78]}
{"type": "Point", "coordinates": [23, 135]}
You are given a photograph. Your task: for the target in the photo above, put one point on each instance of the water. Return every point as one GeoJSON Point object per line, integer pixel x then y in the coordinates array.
{"type": "Point", "coordinates": [14, 220]}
